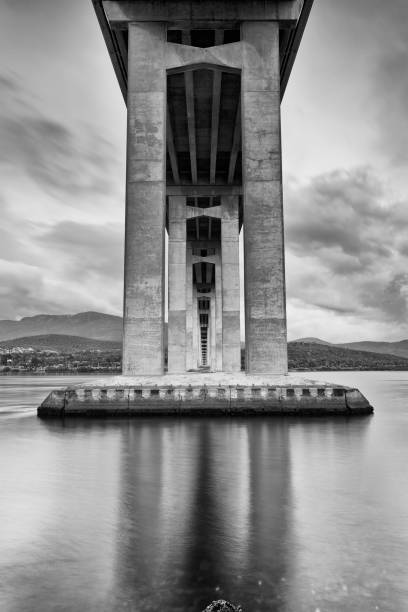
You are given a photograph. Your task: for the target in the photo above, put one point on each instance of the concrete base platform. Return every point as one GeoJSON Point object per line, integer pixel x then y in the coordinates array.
{"type": "Point", "coordinates": [196, 394]}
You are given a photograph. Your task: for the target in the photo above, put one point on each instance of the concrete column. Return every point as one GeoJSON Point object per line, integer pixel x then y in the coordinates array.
{"type": "Point", "coordinates": [143, 338]}
{"type": "Point", "coordinates": [177, 285]}
{"type": "Point", "coordinates": [218, 310]}
{"type": "Point", "coordinates": [231, 342]}
{"type": "Point", "coordinates": [265, 309]}
{"type": "Point", "coordinates": [213, 328]}
{"type": "Point", "coordinates": [196, 339]}
{"type": "Point", "coordinates": [189, 309]}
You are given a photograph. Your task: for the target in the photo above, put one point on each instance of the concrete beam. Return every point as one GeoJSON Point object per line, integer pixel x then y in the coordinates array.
{"type": "Point", "coordinates": [213, 213]}
{"type": "Point", "coordinates": [117, 12]}
{"type": "Point", "coordinates": [122, 44]}
{"type": "Point", "coordinates": [172, 149]}
{"type": "Point", "coordinates": [189, 82]}
{"type": "Point", "coordinates": [236, 141]}
{"type": "Point", "coordinates": [119, 61]}
{"type": "Point", "coordinates": [198, 272]}
{"type": "Point", "coordinates": [183, 56]}
{"type": "Point", "coordinates": [204, 190]}
{"type": "Point", "coordinates": [215, 124]}
{"type": "Point", "coordinates": [208, 273]}
{"type": "Point", "coordinates": [182, 13]}
{"type": "Point", "coordinates": [295, 37]}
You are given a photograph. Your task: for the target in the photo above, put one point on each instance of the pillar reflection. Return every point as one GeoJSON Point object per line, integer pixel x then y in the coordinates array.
{"type": "Point", "coordinates": [203, 514]}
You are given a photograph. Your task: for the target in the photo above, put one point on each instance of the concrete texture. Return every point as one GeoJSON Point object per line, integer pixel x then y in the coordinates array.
{"type": "Point", "coordinates": [224, 55]}
{"type": "Point", "coordinates": [210, 12]}
{"type": "Point", "coordinates": [293, 379]}
{"type": "Point", "coordinates": [231, 336]}
{"type": "Point", "coordinates": [265, 309]}
{"type": "Point", "coordinates": [143, 346]}
{"type": "Point", "coordinates": [222, 606]}
{"type": "Point", "coordinates": [177, 285]}
{"type": "Point", "coordinates": [174, 102]}
{"type": "Point", "coordinates": [202, 400]}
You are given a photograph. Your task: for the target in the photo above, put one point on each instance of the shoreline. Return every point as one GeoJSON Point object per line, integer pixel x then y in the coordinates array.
{"type": "Point", "coordinates": [115, 373]}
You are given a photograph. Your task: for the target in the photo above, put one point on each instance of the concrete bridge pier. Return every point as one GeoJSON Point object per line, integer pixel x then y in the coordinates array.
{"type": "Point", "coordinates": [265, 309]}
{"type": "Point", "coordinates": [203, 82]}
{"type": "Point", "coordinates": [177, 269]}
{"type": "Point", "coordinates": [143, 337]}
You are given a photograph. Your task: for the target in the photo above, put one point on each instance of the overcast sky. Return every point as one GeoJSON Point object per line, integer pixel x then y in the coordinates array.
{"type": "Point", "coordinates": [345, 156]}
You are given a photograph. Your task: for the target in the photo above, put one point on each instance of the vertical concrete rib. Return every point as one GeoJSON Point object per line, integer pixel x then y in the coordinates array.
{"type": "Point", "coordinates": [189, 310]}
{"type": "Point", "coordinates": [217, 308]}
{"type": "Point", "coordinates": [143, 350]}
{"type": "Point", "coordinates": [265, 309]}
{"type": "Point", "coordinates": [231, 342]}
{"type": "Point", "coordinates": [177, 285]}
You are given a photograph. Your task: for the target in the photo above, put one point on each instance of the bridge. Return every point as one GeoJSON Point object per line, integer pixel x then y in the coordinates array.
{"type": "Point", "coordinates": [203, 82]}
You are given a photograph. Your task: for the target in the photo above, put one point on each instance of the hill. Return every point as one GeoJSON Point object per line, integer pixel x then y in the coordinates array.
{"type": "Point", "coordinates": [60, 344]}
{"type": "Point", "coordinates": [387, 348]}
{"type": "Point", "coordinates": [85, 324]}
{"type": "Point", "coordinates": [312, 340]}
{"type": "Point", "coordinates": [312, 356]}
{"type": "Point", "coordinates": [302, 355]}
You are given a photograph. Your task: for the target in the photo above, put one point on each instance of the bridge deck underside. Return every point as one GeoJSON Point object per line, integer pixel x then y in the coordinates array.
{"type": "Point", "coordinates": [204, 128]}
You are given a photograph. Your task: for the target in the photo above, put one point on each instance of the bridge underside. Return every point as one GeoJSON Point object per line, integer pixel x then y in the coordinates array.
{"type": "Point", "coordinates": [203, 83]}
{"type": "Point", "coordinates": [196, 153]}
{"type": "Point", "coordinates": [202, 23]}
{"type": "Point", "coordinates": [204, 127]}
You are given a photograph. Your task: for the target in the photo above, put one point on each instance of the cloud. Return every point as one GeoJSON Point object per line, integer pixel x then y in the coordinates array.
{"type": "Point", "coordinates": [71, 164]}
{"type": "Point", "coordinates": [23, 292]}
{"type": "Point", "coordinates": [346, 248]}
{"type": "Point", "coordinates": [342, 211]}
{"type": "Point", "coordinates": [63, 268]}
{"type": "Point", "coordinates": [384, 48]}
{"type": "Point", "coordinates": [81, 270]}
{"type": "Point", "coordinates": [47, 170]}
{"type": "Point", "coordinates": [390, 83]}
{"type": "Point", "coordinates": [86, 250]}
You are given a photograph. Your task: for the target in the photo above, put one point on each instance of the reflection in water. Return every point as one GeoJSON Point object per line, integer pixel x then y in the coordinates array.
{"type": "Point", "coordinates": [281, 515]}
{"type": "Point", "coordinates": [203, 514]}
{"type": "Point", "coordinates": [340, 554]}
{"type": "Point", "coordinates": [62, 495]}
{"type": "Point", "coordinates": [271, 518]}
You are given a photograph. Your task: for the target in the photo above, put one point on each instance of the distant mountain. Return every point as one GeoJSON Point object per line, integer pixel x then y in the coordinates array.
{"type": "Point", "coordinates": [312, 340]}
{"type": "Point", "coordinates": [399, 349]}
{"type": "Point", "coordinates": [302, 355]}
{"type": "Point", "coordinates": [85, 324]}
{"type": "Point", "coordinates": [388, 348]}
{"type": "Point", "coordinates": [60, 343]}
{"type": "Point", "coordinates": [314, 356]}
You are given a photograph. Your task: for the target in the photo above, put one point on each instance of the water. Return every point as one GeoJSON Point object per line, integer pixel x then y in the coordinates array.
{"type": "Point", "coordinates": [166, 515]}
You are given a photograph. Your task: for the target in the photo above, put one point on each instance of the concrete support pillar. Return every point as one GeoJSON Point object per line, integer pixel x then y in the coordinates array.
{"type": "Point", "coordinates": [217, 307]}
{"type": "Point", "coordinates": [177, 285]}
{"type": "Point", "coordinates": [231, 341]}
{"type": "Point", "coordinates": [143, 338]}
{"type": "Point", "coordinates": [213, 332]}
{"type": "Point", "coordinates": [265, 309]}
{"type": "Point", "coordinates": [189, 308]}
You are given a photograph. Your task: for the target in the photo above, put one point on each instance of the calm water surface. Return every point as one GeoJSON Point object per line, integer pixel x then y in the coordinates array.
{"type": "Point", "coordinates": [166, 515]}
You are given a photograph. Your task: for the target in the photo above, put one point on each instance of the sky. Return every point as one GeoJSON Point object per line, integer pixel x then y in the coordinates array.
{"type": "Point", "coordinates": [345, 158]}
